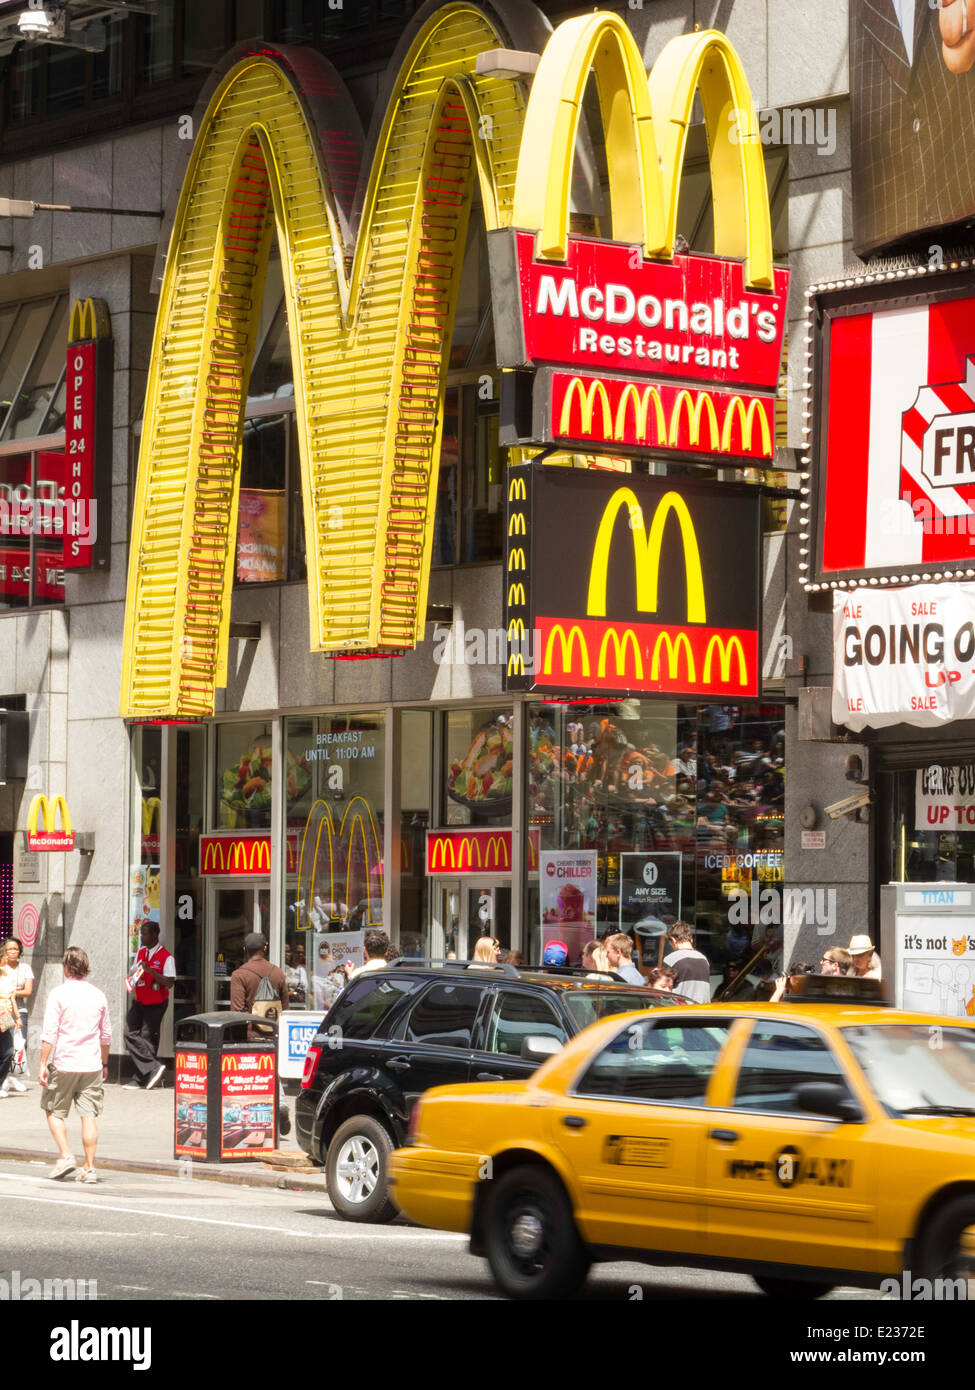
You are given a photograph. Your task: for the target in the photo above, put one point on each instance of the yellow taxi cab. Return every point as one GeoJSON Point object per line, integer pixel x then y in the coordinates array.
{"type": "Point", "coordinates": [808, 1145]}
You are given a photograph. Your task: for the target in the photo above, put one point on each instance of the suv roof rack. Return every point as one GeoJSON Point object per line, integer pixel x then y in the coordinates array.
{"type": "Point", "coordinates": [574, 970]}
{"type": "Point", "coordinates": [462, 966]}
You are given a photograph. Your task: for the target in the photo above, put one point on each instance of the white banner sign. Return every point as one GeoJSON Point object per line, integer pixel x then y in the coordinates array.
{"type": "Point", "coordinates": [944, 797]}
{"type": "Point", "coordinates": [904, 656]}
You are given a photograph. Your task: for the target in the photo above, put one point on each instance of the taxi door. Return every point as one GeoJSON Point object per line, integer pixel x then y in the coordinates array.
{"type": "Point", "coordinates": [781, 1185]}
{"type": "Point", "coordinates": [632, 1130]}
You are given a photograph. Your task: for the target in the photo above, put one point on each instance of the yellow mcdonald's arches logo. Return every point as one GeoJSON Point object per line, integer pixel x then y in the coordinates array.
{"type": "Point", "coordinates": [673, 648]}
{"type": "Point", "coordinates": [516, 559]}
{"type": "Point", "coordinates": [516, 665]}
{"type": "Point", "coordinates": [516, 490]}
{"type": "Point", "coordinates": [499, 844]}
{"type": "Point", "coordinates": [694, 409]}
{"type": "Point", "coordinates": [468, 846]}
{"type": "Point", "coordinates": [228, 1062]}
{"type": "Point", "coordinates": [567, 644]}
{"type": "Point", "coordinates": [443, 846]}
{"type": "Point", "coordinates": [725, 652]}
{"type": "Point", "coordinates": [270, 160]}
{"type": "Point", "coordinates": [641, 400]}
{"type": "Point", "coordinates": [48, 810]}
{"type": "Point", "coordinates": [237, 856]}
{"type": "Point", "coordinates": [646, 125]}
{"type": "Point", "coordinates": [260, 856]}
{"type": "Point", "coordinates": [151, 811]}
{"type": "Point", "coordinates": [587, 397]}
{"type": "Point", "coordinates": [620, 647]}
{"type": "Point", "coordinates": [516, 526]}
{"type": "Point", "coordinates": [212, 856]}
{"type": "Point", "coordinates": [516, 630]}
{"type": "Point", "coordinates": [317, 864]}
{"type": "Point", "coordinates": [646, 554]}
{"type": "Point", "coordinates": [265, 1061]}
{"type": "Point", "coordinates": [89, 319]}
{"type": "Point", "coordinates": [516, 594]}
{"type": "Point", "coordinates": [746, 417]}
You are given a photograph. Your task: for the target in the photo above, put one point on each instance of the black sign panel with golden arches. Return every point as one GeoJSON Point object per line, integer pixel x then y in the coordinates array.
{"type": "Point", "coordinates": [619, 583]}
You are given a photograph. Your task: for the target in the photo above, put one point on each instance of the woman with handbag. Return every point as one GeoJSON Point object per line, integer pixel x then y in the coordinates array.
{"type": "Point", "coordinates": [23, 989]}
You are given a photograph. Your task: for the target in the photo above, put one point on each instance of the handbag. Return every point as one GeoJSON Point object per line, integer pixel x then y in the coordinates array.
{"type": "Point", "coordinates": [9, 1018]}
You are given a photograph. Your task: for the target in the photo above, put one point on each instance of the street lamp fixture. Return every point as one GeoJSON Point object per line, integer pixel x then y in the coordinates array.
{"type": "Point", "coordinates": [25, 207]}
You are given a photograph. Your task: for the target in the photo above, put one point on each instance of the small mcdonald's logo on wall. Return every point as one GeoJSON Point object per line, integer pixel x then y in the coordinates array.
{"type": "Point", "coordinates": [50, 838]}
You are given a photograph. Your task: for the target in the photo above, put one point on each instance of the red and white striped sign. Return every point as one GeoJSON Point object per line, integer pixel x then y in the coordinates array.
{"type": "Point", "coordinates": [899, 485]}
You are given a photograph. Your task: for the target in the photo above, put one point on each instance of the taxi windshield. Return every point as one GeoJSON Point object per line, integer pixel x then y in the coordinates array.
{"type": "Point", "coordinates": [916, 1068]}
{"type": "Point", "coordinates": [589, 1005]}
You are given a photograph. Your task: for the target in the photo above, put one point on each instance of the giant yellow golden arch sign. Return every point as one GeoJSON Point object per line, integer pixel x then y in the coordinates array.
{"type": "Point", "coordinates": [371, 324]}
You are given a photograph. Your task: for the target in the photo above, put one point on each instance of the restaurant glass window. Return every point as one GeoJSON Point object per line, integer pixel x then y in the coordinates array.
{"type": "Point", "coordinates": [930, 812]}
{"type": "Point", "coordinates": [106, 79]}
{"type": "Point", "coordinates": [334, 810]}
{"type": "Point", "coordinates": [187, 938]}
{"type": "Point", "coordinates": [66, 75]}
{"type": "Point", "coordinates": [631, 777]}
{"type": "Point", "coordinates": [31, 415]}
{"type": "Point", "coordinates": [23, 356]}
{"type": "Point", "coordinates": [478, 763]}
{"type": "Point", "coordinates": [145, 836]}
{"type": "Point", "coordinates": [204, 35]}
{"type": "Point", "coordinates": [262, 521]}
{"type": "Point", "coordinates": [32, 486]}
{"type": "Point", "coordinates": [158, 31]}
{"type": "Point", "coordinates": [243, 772]}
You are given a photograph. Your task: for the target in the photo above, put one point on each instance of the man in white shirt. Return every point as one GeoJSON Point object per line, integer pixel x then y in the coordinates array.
{"type": "Point", "coordinates": [74, 1061]}
{"type": "Point", "coordinates": [375, 944]}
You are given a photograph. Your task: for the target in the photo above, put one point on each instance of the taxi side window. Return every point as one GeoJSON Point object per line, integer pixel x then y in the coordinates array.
{"type": "Point", "coordinates": [779, 1058]}
{"type": "Point", "coordinates": [670, 1064]}
{"type": "Point", "coordinates": [517, 1016]}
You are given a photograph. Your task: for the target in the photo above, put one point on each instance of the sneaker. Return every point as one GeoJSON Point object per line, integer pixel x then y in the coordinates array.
{"type": "Point", "coordinates": [132, 1085]}
{"type": "Point", "coordinates": [62, 1168]}
{"type": "Point", "coordinates": [15, 1085]}
{"type": "Point", "coordinates": [156, 1077]}
{"type": "Point", "coordinates": [86, 1175]}
{"type": "Point", "coordinates": [5, 1089]}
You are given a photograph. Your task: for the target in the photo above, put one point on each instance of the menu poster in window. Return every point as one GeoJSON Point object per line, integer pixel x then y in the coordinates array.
{"type": "Point", "coordinates": [567, 896]}
{"type": "Point", "coordinates": [191, 1103]}
{"type": "Point", "coordinates": [649, 891]}
{"type": "Point", "coordinates": [247, 1104]}
{"type": "Point", "coordinates": [335, 950]}
{"type": "Point", "coordinates": [935, 965]}
{"type": "Point", "coordinates": [944, 797]}
{"type": "Point", "coordinates": [144, 888]}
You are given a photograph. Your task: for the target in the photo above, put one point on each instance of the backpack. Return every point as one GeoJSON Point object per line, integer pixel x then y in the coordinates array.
{"type": "Point", "coordinates": [267, 1001]}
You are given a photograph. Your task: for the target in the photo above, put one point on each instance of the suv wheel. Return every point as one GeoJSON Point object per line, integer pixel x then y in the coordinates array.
{"type": "Point", "coordinates": [357, 1170]}
{"type": "Point", "coordinates": [947, 1245]}
{"type": "Point", "coordinates": [530, 1237]}
{"type": "Point", "coordinates": [775, 1287]}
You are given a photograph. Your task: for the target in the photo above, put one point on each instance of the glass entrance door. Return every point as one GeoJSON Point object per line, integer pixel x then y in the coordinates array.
{"type": "Point", "coordinates": [462, 912]}
{"type": "Point", "coordinates": [234, 912]}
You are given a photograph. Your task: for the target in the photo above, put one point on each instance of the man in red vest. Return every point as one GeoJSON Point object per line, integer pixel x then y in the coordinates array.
{"type": "Point", "coordinates": [155, 975]}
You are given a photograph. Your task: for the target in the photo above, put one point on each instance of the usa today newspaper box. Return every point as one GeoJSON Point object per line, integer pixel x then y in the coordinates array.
{"type": "Point", "coordinates": [226, 1088]}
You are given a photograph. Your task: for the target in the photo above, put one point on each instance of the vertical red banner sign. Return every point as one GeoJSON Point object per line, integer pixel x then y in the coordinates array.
{"type": "Point", "coordinates": [79, 455]}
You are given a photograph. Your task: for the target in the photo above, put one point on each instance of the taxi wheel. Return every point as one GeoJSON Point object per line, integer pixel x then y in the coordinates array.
{"type": "Point", "coordinates": [947, 1246]}
{"type": "Point", "coordinates": [357, 1170]}
{"type": "Point", "coordinates": [530, 1237]}
{"type": "Point", "coordinates": [774, 1287]}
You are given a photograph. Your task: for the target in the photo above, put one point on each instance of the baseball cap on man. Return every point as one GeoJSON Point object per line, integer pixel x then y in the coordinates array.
{"type": "Point", "coordinates": [254, 941]}
{"type": "Point", "coordinates": [555, 953]}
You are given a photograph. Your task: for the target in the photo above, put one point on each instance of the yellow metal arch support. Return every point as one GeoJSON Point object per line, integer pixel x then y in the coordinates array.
{"type": "Point", "coordinates": [369, 355]}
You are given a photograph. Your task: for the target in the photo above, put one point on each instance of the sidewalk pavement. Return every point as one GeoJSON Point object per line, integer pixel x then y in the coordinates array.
{"type": "Point", "coordinates": [135, 1134]}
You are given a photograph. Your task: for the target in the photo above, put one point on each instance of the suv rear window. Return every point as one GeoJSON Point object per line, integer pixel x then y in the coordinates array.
{"type": "Point", "coordinates": [592, 1004]}
{"type": "Point", "coordinates": [359, 1011]}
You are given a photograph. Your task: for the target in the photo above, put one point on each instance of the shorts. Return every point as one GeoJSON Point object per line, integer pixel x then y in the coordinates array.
{"type": "Point", "coordinates": [83, 1087]}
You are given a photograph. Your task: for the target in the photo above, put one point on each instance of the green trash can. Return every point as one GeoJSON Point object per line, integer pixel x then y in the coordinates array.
{"type": "Point", "coordinates": [226, 1091]}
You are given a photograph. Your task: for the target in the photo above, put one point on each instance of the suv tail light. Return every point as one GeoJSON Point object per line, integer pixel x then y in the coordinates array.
{"type": "Point", "coordinates": [311, 1062]}
{"type": "Point", "coordinates": [414, 1124]}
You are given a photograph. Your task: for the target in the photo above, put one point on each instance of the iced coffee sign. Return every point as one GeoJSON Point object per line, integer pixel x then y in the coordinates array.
{"type": "Point", "coordinates": [904, 656]}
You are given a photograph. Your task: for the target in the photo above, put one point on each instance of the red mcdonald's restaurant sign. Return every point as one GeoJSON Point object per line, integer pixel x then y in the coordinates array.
{"type": "Point", "coordinates": [236, 856]}
{"type": "Point", "coordinates": [636, 354]}
{"type": "Point", "coordinates": [469, 853]}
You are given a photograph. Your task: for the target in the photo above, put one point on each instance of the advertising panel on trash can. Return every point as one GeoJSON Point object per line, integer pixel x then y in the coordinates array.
{"type": "Point", "coordinates": [191, 1103]}
{"type": "Point", "coordinates": [296, 1033]}
{"type": "Point", "coordinates": [248, 1120]}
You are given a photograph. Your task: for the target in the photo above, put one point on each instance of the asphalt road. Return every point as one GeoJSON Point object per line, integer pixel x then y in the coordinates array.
{"type": "Point", "coordinates": [149, 1238]}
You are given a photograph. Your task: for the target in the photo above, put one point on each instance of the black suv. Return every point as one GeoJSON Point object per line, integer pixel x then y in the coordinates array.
{"type": "Point", "coordinates": [393, 1033]}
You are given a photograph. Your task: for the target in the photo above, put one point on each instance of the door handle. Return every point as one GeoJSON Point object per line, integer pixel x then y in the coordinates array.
{"type": "Point", "coordinates": [398, 1063]}
{"type": "Point", "coordinates": [489, 1076]}
{"type": "Point", "coordinates": [574, 1121]}
{"type": "Point", "coordinates": [727, 1136]}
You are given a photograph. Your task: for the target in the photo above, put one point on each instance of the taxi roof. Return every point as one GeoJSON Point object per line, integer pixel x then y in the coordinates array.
{"type": "Point", "coordinates": [834, 1014]}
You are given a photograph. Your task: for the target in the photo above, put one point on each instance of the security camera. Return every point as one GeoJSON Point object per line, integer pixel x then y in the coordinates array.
{"type": "Point", "coordinates": [849, 805]}
{"type": "Point", "coordinates": [41, 24]}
